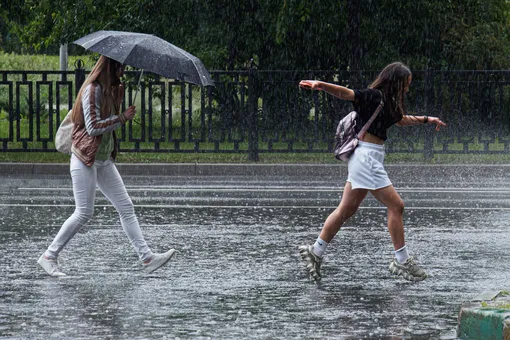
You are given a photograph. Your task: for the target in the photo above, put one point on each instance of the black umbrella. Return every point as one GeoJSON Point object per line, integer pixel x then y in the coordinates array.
{"type": "Point", "coordinates": [148, 52]}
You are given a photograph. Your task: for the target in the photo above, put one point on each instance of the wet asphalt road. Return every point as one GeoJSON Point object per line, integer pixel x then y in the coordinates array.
{"type": "Point", "coordinates": [236, 274]}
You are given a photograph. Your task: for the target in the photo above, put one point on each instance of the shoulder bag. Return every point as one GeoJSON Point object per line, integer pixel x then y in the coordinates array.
{"type": "Point", "coordinates": [64, 135]}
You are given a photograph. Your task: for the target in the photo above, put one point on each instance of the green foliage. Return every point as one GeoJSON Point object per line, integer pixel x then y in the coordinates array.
{"type": "Point", "coordinates": [439, 34]}
{"type": "Point", "coordinates": [36, 62]}
{"type": "Point", "coordinates": [289, 34]}
{"type": "Point", "coordinates": [495, 306]}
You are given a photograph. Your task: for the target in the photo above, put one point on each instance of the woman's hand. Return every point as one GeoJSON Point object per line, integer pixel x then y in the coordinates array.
{"type": "Point", "coordinates": [130, 112]}
{"type": "Point", "coordinates": [437, 121]}
{"type": "Point", "coordinates": [310, 84]}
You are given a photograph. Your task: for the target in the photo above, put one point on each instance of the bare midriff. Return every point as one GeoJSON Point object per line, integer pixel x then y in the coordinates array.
{"type": "Point", "coordinates": [370, 138]}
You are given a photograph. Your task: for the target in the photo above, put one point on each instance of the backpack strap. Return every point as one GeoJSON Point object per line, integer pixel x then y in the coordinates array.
{"type": "Point", "coordinates": [371, 120]}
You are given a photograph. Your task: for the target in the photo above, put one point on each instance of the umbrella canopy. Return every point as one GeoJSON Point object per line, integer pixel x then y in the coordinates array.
{"type": "Point", "coordinates": [150, 53]}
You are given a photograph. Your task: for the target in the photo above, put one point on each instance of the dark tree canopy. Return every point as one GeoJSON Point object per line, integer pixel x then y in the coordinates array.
{"type": "Point", "coordinates": [288, 34]}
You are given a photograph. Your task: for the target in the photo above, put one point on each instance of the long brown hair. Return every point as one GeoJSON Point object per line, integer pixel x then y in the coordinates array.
{"type": "Point", "coordinates": [104, 73]}
{"type": "Point", "coordinates": [392, 82]}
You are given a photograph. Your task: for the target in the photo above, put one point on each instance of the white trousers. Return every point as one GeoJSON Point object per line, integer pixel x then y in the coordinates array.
{"type": "Point", "coordinates": [104, 174]}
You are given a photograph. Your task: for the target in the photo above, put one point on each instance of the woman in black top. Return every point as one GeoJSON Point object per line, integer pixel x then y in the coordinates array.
{"type": "Point", "coordinates": [366, 170]}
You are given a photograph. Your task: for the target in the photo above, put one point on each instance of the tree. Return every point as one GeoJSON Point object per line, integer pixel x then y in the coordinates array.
{"type": "Point", "coordinates": [437, 34]}
{"type": "Point", "coordinates": [286, 34]}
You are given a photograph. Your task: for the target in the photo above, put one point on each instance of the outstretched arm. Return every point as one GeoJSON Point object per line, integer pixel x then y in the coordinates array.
{"type": "Point", "coordinates": [408, 120]}
{"type": "Point", "coordinates": [335, 90]}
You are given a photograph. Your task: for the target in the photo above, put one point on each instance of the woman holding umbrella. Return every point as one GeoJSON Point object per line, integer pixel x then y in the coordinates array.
{"type": "Point", "coordinates": [96, 115]}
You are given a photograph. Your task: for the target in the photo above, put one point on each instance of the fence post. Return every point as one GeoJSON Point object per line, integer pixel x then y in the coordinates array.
{"type": "Point", "coordinates": [252, 118]}
{"type": "Point", "coordinates": [428, 142]}
{"type": "Point", "coordinates": [79, 75]}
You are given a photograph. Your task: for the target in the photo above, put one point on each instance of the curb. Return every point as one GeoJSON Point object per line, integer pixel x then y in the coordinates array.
{"type": "Point", "coordinates": [485, 317]}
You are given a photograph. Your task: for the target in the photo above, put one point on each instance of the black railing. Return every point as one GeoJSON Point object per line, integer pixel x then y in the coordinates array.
{"type": "Point", "coordinates": [255, 112]}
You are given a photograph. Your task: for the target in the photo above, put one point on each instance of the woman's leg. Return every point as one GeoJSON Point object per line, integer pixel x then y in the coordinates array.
{"type": "Point", "coordinates": [84, 189]}
{"type": "Point", "coordinates": [312, 255]}
{"type": "Point", "coordinates": [391, 199]}
{"type": "Point", "coordinates": [111, 185]}
{"type": "Point", "coordinates": [351, 200]}
{"type": "Point", "coordinates": [402, 264]}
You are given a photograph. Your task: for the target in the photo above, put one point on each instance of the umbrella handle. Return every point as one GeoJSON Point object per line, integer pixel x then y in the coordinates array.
{"type": "Point", "coordinates": [136, 93]}
{"type": "Point", "coordinates": [137, 85]}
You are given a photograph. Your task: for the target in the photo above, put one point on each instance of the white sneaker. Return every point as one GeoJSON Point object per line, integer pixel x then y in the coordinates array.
{"type": "Point", "coordinates": [50, 266]}
{"type": "Point", "coordinates": [158, 260]}
{"type": "Point", "coordinates": [312, 262]}
{"type": "Point", "coordinates": [409, 270]}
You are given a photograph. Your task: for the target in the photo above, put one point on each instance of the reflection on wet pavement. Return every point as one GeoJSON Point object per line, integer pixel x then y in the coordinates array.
{"type": "Point", "coordinates": [236, 273]}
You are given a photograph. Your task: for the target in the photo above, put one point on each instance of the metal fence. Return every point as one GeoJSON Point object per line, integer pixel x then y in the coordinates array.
{"type": "Point", "coordinates": [254, 111]}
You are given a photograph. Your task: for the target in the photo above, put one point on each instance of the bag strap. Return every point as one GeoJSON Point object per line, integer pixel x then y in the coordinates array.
{"type": "Point", "coordinates": [370, 121]}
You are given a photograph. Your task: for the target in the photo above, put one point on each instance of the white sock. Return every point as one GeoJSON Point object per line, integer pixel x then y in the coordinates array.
{"type": "Point", "coordinates": [319, 247]}
{"type": "Point", "coordinates": [401, 254]}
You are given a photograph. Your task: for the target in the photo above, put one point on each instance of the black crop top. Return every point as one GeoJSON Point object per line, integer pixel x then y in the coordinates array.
{"type": "Point", "coordinates": [365, 103]}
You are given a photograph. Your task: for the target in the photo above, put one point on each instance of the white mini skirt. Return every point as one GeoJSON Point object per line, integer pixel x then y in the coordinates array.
{"type": "Point", "coordinates": [366, 169]}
